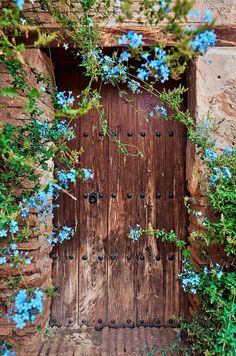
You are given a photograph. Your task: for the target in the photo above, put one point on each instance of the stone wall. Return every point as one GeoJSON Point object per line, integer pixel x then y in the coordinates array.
{"type": "Point", "coordinates": [212, 83]}
{"type": "Point", "coordinates": [38, 273]}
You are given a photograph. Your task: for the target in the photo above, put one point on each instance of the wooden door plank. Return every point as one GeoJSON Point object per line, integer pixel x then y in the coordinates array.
{"type": "Point", "coordinates": [122, 172]}
{"type": "Point", "coordinates": [64, 310]}
{"type": "Point", "coordinates": [93, 225]}
{"type": "Point", "coordinates": [149, 272]}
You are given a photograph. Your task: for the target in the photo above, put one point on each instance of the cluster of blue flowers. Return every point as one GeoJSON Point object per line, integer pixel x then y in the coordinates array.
{"type": "Point", "coordinates": [229, 151]}
{"type": "Point", "coordinates": [158, 67]}
{"type": "Point", "coordinates": [210, 155]}
{"type": "Point", "coordinates": [87, 174]}
{"type": "Point", "coordinates": [66, 177]}
{"type": "Point", "coordinates": [26, 307]}
{"type": "Point", "coordinates": [64, 234]}
{"type": "Point", "coordinates": [59, 129]}
{"type": "Point", "coordinates": [64, 100]}
{"type": "Point", "coordinates": [190, 280]}
{"type": "Point", "coordinates": [216, 269]}
{"type": "Point", "coordinates": [224, 173]}
{"type": "Point", "coordinates": [41, 202]}
{"type": "Point", "coordinates": [12, 228]}
{"type": "Point", "coordinates": [11, 251]}
{"type": "Point", "coordinates": [113, 70]}
{"type": "Point", "coordinates": [158, 110]}
{"type": "Point", "coordinates": [203, 40]}
{"type": "Point", "coordinates": [134, 39]}
{"type": "Point", "coordinates": [134, 234]}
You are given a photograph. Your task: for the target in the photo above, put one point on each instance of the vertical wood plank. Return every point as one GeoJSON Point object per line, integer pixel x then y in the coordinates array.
{"type": "Point", "coordinates": [93, 225]}
{"type": "Point", "coordinates": [122, 180]}
{"type": "Point", "coordinates": [149, 280]}
{"type": "Point", "coordinates": [64, 309]}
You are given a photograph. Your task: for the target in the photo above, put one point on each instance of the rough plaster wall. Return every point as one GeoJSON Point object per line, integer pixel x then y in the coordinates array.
{"type": "Point", "coordinates": [38, 273]}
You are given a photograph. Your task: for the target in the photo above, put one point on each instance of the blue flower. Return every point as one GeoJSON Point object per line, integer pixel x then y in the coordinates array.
{"type": "Point", "coordinates": [134, 233]}
{"type": "Point", "coordinates": [216, 176]}
{"type": "Point", "coordinates": [25, 307]}
{"type": "Point", "coordinates": [64, 100]}
{"type": "Point", "coordinates": [228, 151]}
{"type": "Point", "coordinates": [203, 40]}
{"type": "Point", "coordinates": [88, 174]}
{"type": "Point", "coordinates": [210, 155]}
{"type": "Point", "coordinates": [134, 86]}
{"type": "Point", "coordinates": [226, 174]}
{"type": "Point", "coordinates": [14, 227]}
{"type": "Point", "coordinates": [3, 260]}
{"type": "Point", "coordinates": [135, 39]}
{"type": "Point", "coordinates": [145, 55]}
{"type": "Point", "coordinates": [208, 17]}
{"type": "Point", "coordinates": [160, 110]}
{"type": "Point", "coordinates": [3, 233]}
{"type": "Point", "coordinates": [66, 177]}
{"type": "Point", "coordinates": [20, 4]}
{"type": "Point", "coordinates": [142, 74]}
{"type": "Point", "coordinates": [125, 56]}
{"type": "Point", "coordinates": [122, 40]}
{"type": "Point", "coordinates": [64, 234]}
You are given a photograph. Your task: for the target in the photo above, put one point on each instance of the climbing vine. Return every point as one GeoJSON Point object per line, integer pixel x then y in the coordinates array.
{"type": "Point", "coordinates": [27, 150]}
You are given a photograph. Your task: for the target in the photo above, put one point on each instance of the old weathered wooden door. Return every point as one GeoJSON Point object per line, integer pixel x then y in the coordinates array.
{"type": "Point", "coordinates": [102, 277]}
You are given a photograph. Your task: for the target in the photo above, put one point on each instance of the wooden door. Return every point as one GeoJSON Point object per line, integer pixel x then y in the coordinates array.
{"type": "Point", "coordinates": [102, 277]}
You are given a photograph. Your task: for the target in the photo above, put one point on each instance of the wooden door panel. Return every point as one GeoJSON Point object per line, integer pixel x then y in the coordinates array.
{"type": "Point", "coordinates": [105, 278]}
{"type": "Point", "coordinates": [93, 225]}
{"type": "Point", "coordinates": [121, 270]}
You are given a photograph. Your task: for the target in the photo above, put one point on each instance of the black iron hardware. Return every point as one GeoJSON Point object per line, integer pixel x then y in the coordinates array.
{"type": "Point", "coordinates": [84, 321]}
{"type": "Point", "coordinates": [129, 257]}
{"type": "Point", "coordinates": [171, 195]}
{"type": "Point", "coordinates": [85, 134]}
{"type": "Point", "coordinates": [171, 321]}
{"type": "Point", "coordinates": [171, 257]}
{"type": "Point", "coordinates": [142, 134]}
{"type": "Point", "coordinates": [84, 257]}
{"type": "Point", "coordinates": [142, 195]}
{"type": "Point", "coordinates": [93, 197]}
{"type": "Point", "coordinates": [158, 195]}
{"type": "Point", "coordinates": [129, 134]}
{"type": "Point", "coordinates": [70, 321]}
{"type": "Point", "coordinates": [113, 195]}
{"type": "Point", "coordinates": [100, 258]}
{"type": "Point", "coordinates": [100, 195]}
{"type": "Point", "coordinates": [55, 257]}
{"type": "Point", "coordinates": [142, 258]}
{"type": "Point", "coordinates": [85, 195]}
{"type": "Point", "coordinates": [158, 134]}
{"type": "Point", "coordinates": [113, 257]}
{"type": "Point", "coordinates": [99, 321]}
{"type": "Point", "coordinates": [171, 133]}
{"type": "Point", "coordinates": [129, 195]}
{"type": "Point", "coordinates": [71, 257]}
{"type": "Point", "coordinates": [158, 258]}
{"type": "Point", "coordinates": [55, 322]}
